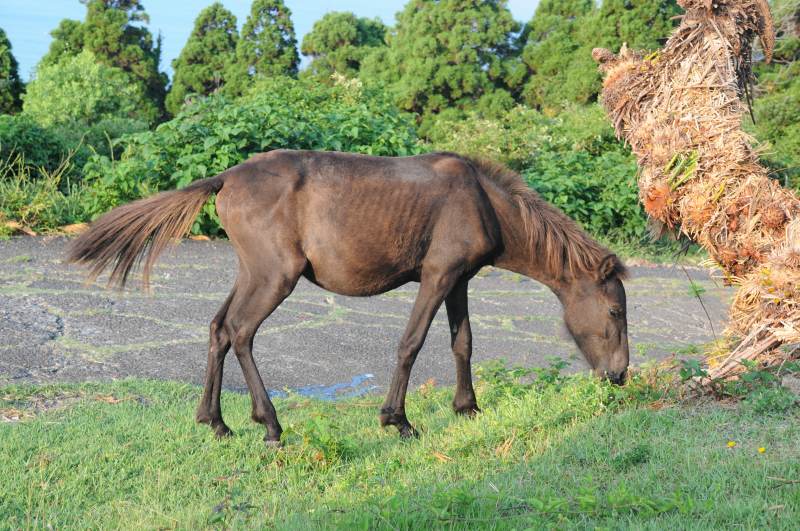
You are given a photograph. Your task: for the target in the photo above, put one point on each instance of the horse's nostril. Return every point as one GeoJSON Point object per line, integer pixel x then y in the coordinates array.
{"type": "Point", "coordinates": [617, 378]}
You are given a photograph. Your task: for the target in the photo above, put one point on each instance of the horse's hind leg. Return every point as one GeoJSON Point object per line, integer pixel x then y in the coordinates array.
{"type": "Point", "coordinates": [464, 402]}
{"type": "Point", "coordinates": [209, 410]}
{"type": "Point", "coordinates": [254, 301]}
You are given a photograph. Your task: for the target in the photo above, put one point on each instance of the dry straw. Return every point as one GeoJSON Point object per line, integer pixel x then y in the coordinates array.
{"type": "Point", "coordinates": [681, 111]}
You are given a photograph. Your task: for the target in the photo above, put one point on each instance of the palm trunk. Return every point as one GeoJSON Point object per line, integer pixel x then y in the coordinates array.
{"type": "Point", "coordinates": [681, 109]}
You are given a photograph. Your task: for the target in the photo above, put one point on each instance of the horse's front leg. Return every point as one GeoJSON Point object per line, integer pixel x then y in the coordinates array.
{"type": "Point", "coordinates": [464, 401]}
{"type": "Point", "coordinates": [432, 291]}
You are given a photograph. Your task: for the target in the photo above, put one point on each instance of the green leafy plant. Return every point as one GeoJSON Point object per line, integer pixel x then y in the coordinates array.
{"type": "Point", "coordinates": [691, 369]}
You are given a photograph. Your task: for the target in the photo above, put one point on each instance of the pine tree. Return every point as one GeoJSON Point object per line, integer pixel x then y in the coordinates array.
{"type": "Point", "coordinates": [10, 83]}
{"type": "Point", "coordinates": [209, 51]}
{"type": "Point", "coordinates": [339, 42]}
{"type": "Point", "coordinates": [559, 64]}
{"type": "Point", "coordinates": [267, 45]}
{"type": "Point", "coordinates": [445, 54]}
{"type": "Point", "coordinates": [643, 24]}
{"type": "Point", "coordinates": [558, 68]}
{"type": "Point", "coordinates": [114, 32]}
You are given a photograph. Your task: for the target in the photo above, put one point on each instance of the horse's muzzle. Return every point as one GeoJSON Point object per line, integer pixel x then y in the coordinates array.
{"type": "Point", "coordinates": [616, 378]}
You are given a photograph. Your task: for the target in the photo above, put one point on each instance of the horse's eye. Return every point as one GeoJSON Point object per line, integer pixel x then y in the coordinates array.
{"type": "Point", "coordinates": [615, 312]}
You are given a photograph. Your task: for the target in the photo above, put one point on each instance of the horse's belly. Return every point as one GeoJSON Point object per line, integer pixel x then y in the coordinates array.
{"type": "Point", "coordinates": [355, 280]}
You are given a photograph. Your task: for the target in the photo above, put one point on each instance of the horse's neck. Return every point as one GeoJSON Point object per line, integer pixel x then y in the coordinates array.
{"type": "Point", "coordinates": [517, 255]}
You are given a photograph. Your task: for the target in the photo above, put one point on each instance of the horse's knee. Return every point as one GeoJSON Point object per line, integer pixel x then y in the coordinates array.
{"type": "Point", "coordinates": [462, 352]}
{"type": "Point", "coordinates": [242, 341]}
{"type": "Point", "coordinates": [409, 347]}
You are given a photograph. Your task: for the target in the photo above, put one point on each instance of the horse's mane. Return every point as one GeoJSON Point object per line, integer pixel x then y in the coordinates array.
{"type": "Point", "coordinates": [554, 239]}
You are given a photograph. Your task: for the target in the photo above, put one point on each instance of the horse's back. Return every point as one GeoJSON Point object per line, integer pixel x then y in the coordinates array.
{"type": "Point", "coordinates": [365, 224]}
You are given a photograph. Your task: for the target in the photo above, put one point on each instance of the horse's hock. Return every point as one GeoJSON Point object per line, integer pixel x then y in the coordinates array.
{"type": "Point", "coordinates": [681, 110]}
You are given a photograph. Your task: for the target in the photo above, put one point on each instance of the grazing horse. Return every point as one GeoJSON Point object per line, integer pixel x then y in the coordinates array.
{"type": "Point", "coordinates": [360, 225]}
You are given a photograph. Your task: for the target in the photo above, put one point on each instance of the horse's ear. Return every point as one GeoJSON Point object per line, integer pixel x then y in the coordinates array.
{"type": "Point", "coordinates": [611, 266]}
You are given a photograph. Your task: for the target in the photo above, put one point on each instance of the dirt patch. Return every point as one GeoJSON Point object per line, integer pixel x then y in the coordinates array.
{"type": "Point", "coordinates": [14, 409]}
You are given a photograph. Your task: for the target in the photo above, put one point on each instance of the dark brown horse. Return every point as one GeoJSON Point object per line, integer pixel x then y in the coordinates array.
{"type": "Point", "coordinates": [359, 225]}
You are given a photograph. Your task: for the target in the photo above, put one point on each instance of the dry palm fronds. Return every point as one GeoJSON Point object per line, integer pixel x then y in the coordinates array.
{"type": "Point", "coordinates": [681, 110]}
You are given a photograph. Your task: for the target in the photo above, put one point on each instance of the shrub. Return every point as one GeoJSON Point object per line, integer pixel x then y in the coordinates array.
{"type": "Point", "coordinates": [777, 114]}
{"type": "Point", "coordinates": [39, 147]}
{"type": "Point", "coordinates": [80, 90]}
{"type": "Point", "coordinates": [78, 105]}
{"type": "Point", "coordinates": [597, 191]}
{"type": "Point", "coordinates": [215, 133]}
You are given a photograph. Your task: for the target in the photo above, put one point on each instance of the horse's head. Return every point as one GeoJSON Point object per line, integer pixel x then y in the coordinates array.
{"type": "Point", "coordinates": [595, 314]}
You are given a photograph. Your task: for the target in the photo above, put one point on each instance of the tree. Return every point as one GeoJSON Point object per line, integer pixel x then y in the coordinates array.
{"type": "Point", "coordinates": [446, 54]}
{"type": "Point", "coordinates": [10, 83]}
{"type": "Point", "coordinates": [559, 66]}
{"type": "Point", "coordinates": [267, 45]}
{"type": "Point", "coordinates": [559, 41]}
{"type": "Point", "coordinates": [643, 24]}
{"type": "Point", "coordinates": [339, 42]}
{"type": "Point", "coordinates": [210, 50]}
{"type": "Point", "coordinates": [114, 32]}
{"type": "Point", "coordinates": [80, 91]}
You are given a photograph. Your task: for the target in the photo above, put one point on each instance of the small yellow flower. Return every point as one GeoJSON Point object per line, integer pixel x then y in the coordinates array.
{"type": "Point", "coordinates": [731, 444]}
{"type": "Point", "coordinates": [762, 450]}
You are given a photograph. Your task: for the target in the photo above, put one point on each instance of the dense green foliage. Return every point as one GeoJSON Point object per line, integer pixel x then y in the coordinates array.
{"type": "Point", "coordinates": [777, 107]}
{"type": "Point", "coordinates": [598, 191]}
{"type": "Point", "coordinates": [201, 67]}
{"type": "Point", "coordinates": [85, 105]}
{"type": "Point", "coordinates": [79, 90]}
{"type": "Point", "coordinates": [10, 84]}
{"type": "Point", "coordinates": [557, 57]}
{"type": "Point", "coordinates": [216, 133]}
{"type": "Point", "coordinates": [446, 54]}
{"type": "Point", "coordinates": [114, 32]}
{"type": "Point", "coordinates": [561, 452]}
{"type": "Point", "coordinates": [41, 147]}
{"type": "Point", "coordinates": [266, 47]}
{"type": "Point", "coordinates": [643, 24]}
{"type": "Point", "coordinates": [559, 39]}
{"type": "Point", "coordinates": [339, 42]}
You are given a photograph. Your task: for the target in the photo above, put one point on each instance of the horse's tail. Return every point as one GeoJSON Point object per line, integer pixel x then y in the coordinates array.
{"type": "Point", "coordinates": [139, 231]}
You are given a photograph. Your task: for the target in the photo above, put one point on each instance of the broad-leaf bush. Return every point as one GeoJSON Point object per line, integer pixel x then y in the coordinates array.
{"type": "Point", "coordinates": [215, 133]}
{"type": "Point", "coordinates": [598, 191]}
{"type": "Point", "coordinates": [81, 90]}
{"type": "Point", "coordinates": [82, 105]}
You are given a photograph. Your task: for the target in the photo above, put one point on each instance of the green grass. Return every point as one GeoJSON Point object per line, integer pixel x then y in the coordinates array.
{"type": "Point", "coordinates": [571, 453]}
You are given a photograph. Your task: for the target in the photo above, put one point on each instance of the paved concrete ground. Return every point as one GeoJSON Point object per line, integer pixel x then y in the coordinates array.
{"type": "Point", "coordinates": [53, 328]}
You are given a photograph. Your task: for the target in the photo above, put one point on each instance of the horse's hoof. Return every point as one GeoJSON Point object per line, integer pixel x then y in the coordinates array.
{"type": "Point", "coordinates": [222, 432]}
{"type": "Point", "coordinates": [270, 443]}
{"type": "Point", "coordinates": [408, 432]}
{"type": "Point", "coordinates": [468, 411]}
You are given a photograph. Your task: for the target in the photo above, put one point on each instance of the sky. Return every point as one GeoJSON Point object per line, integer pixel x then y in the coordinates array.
{"type": "Point", "coordinates": [28, 22]}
